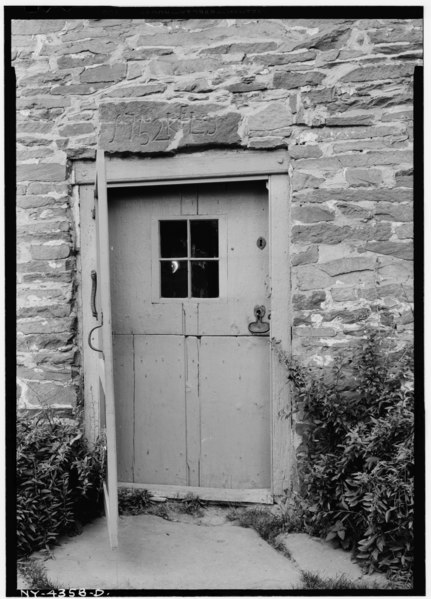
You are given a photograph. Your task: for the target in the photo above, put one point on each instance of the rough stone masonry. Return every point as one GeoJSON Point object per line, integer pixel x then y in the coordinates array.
{"type": "Point", "coordinates": [337, 93]}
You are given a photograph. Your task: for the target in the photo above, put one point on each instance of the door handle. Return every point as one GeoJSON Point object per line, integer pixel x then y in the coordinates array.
{"type": "Point", "coordinates": [99, 326]}
{"type": "Point", "coordinates": [93, 293]}
{"type": "Point", "coordinates": [259, 327]}
{"type": "Point", "coordinates": [94, 309]}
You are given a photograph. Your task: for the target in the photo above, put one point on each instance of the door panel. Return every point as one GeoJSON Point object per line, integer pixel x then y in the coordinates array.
{"type": "Point", "coordinates": [160, 423]}
{"type": "Point", "coordinates": [247, 277]}
{"type": "Point", "coordinates": [124, 399]}
{"type": "Point", "coordinates": [131, 215]}
{"type": "Point", "coordinates": [193, 412]}
{"type": "Point", "coordinates": [233, 379]}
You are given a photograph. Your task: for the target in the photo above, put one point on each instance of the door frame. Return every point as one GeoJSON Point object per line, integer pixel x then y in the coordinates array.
{"type": "Point", "coordinates": [205, 167]}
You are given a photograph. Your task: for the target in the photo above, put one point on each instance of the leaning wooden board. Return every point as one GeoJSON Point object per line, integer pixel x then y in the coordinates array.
{"type": "Point", "coordinates": [106, 372]}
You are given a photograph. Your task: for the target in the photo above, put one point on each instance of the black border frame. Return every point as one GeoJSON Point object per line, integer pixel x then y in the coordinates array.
{"type": "Point", "coordinates": [173, 12]}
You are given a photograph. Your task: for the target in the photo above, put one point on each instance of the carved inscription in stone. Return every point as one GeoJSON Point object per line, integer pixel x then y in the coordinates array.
{"type": "Point", "coordinates": [160, 126]}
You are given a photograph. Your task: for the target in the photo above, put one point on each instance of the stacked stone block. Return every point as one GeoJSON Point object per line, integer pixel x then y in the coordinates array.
{"type": "Point", "coordinates": [338, 94]}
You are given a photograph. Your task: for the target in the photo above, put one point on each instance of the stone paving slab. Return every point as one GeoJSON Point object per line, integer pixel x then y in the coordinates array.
{"type": "Point", "coordinates": [319, 557]}
{"type": "Point", "coordinates": [155, 553]}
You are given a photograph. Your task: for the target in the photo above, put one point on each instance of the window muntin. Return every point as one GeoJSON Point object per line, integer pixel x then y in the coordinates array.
{"type": "Point", "coordinates": [183, 271]}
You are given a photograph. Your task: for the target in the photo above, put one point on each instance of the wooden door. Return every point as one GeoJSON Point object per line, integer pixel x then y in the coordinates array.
{"type": "Point", "coordinates": [105, 382]}
{"type": "Point", "coordinates": [189, 264]}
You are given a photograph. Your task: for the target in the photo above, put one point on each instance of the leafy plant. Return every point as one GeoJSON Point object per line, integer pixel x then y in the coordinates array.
{"type": "Point", "coordinates": [190, 504]}
{"type": "Point", "coordinates": [356, 464]}
{"type": "Point", "coordinates": [59, 479]}
{"type": "Point", "coordinates": [133, 501]}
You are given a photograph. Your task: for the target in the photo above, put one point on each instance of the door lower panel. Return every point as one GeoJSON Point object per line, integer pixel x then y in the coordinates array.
{"type": "Point", "coordinates": [235, 415]}
{"type": "Point", "coordinates": [150, 405]}
{"type": "Point", "coordinates": [124, 381]}
{"type": "Point", "coordinates": [160, 425]}
{"type": "Point", "coordinates": [198, 409]}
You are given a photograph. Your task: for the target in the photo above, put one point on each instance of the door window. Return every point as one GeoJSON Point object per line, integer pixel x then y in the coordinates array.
{"type": "Point", "coordinates": [189, 258]}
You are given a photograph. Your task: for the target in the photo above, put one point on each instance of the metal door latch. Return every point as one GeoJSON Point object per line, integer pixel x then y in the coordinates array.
{"type": "Point", "coordinates": [94, 310]}
{"type": "Point", "coordinates": [93, 293]}
{"type": "Point", "coordinates": [259, 327]}
{"type": "Point", "coordinates": [99, 326]}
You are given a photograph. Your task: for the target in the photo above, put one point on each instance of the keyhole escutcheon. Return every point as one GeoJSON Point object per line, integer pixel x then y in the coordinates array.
{"type": "Point", "coordinates": [261, 243]}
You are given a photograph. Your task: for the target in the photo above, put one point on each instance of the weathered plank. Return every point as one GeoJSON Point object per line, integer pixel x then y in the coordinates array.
{"type": "Point", "coordinates": [214, 163]}
{"type": "Point", "coordinates": [235, 412]}
{"type": "Point", "coordinates": [242, 209]}
{"type": "Point", "coordinates": [206, 494]}
{"type": "Point", "coordinates": [86, 264]}
{"type": "Point", "coordinates": [134, 253]}
{"type": "Point", "coordinates": [111, 499]}
{"type": "Point", "coordinates": [124, 381]}
{"type": "Point", "coordinates": [280, 329]}
{"type": "Point", "coordinates": [193, 416]}
{"type": "Point", "coordinates": [160, 410]}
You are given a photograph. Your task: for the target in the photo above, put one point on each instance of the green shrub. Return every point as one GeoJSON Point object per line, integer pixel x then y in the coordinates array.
{"type": "Point", "coordinates": [59, 479]}
{"type": "Point", "coordinates": [357, 467]}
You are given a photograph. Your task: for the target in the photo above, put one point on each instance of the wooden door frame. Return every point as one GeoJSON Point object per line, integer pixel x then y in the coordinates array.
{"type": "Point", "coordinates": [207, 167]}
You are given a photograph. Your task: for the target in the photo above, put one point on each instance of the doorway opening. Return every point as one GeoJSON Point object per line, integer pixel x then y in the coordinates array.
{"type": "Point", "coordinates": [192, 381]}
{"type": "Point", "coordinates": [191, 318]}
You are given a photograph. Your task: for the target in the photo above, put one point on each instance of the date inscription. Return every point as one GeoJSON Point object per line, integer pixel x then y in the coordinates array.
{"type": "Point", "coordinates": [145, 130]}
{"type": "Point", "coordinates": [159, 126]}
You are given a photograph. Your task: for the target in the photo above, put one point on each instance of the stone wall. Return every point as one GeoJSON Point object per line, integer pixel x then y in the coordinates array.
{"type": "Point", "coordinates": [338, 94]}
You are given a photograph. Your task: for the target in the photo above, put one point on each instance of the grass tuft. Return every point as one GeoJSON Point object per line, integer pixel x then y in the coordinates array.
{"type": "Point", "coordinates": [312, 581]}
{"type": "Point", "coordinates": [132, 502]}
{"type": "Point", "coordinates": [161, 510]}
{"type": "Point", "coordinates": [281, 548]}
{"type": "Point", "coordinates": [264, 522]}
{"type": "Point", "coordinates": [34, 573]}
{"type": "Point", "coordinates": [190, 504]}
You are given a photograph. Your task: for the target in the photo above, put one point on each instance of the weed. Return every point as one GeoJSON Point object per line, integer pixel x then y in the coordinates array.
{"type": "Point", "coordinates": [132, 502]}
{"type": "Point", "coordinates": [265, 523]}
{"type": "Point", "coordinates": [190, 504]}
{"type": "Point", "coordinates": [161, 510]}
{"type": "Point", "coordinates": [34, 573]}
{"type": "Point", "coordinates": [281, 548]}
{"type": "Point", "coordinates": [312, 581]}
{"type": "Point", "coordinates": [233, 514]}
